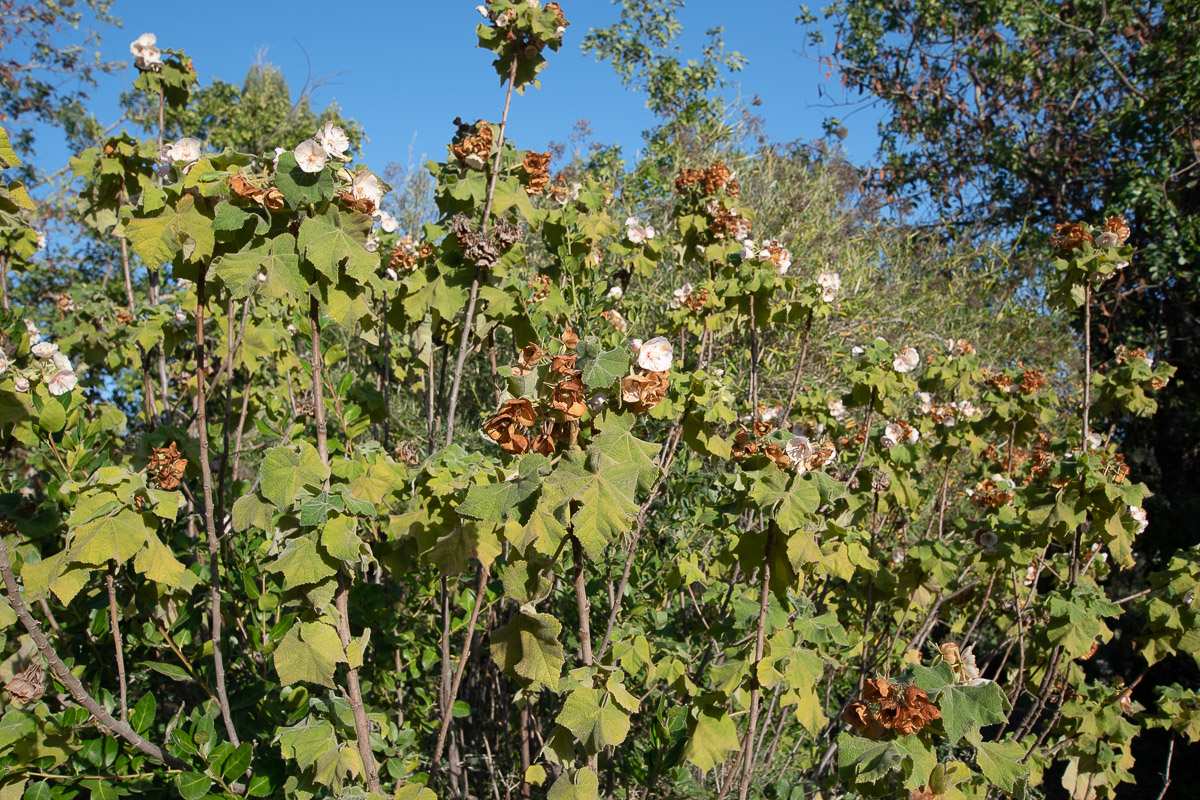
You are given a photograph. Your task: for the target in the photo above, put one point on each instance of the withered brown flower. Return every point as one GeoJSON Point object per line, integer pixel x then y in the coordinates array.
{"type": "Point", "coordinates": [569, 339]}
{"type": "Point", "coordinates": [876, 689]}
{"type": "Point", "coordinates": [643, 392]}
{"type": "Point", "coordinates": [537, 165]}
{"type": "Point", "coordinates": [568, 398]}
{"type": "Point", "coordinates": [1119, 226]}
{"type": "Point", "coordinates": [563, 364]}
{"type": "Point", "coordinates": [167, 467]}
{"type": "Point", "coordinates": [1069, 236]}
{"type": "Point", "coordinates": [507, 426]}
{"type": "Point", "coordinates": [27, 685]}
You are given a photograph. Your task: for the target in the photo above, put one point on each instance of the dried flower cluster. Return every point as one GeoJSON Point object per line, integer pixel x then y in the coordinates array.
{"type": "Point", "coordinates": [1069, 237]}
{"type": "Point", "coordinates": [167, 467]}
{"type": "Point", "coordinates": [711, 180]}
{"type": "Point", "coordinates": [992, 492]}
{"type": "Point", "coordinates": [537, 167]}
{"type": "Point", "coordinates": [268, 197]}
{"type": "Point", "coordinates": [473, 143]}
{"type": "Point", "coordinates": [890, 707]}
{"type": "Point", "coordinates": [27, 685]}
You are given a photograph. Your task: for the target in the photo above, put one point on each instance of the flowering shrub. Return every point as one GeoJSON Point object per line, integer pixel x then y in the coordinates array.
{"type": "Point", "coordinates": [608, 554]}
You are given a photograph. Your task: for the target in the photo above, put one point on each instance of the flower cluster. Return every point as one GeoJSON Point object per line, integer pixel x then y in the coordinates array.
{"type": "Point", "coordinates": [614, 318]}
{"type": "Point", "coordinates": [725, 222]}
{"type": "Point", "coordinates": [644, 390]}
{"type": "Point", "coordinates": [899, 431]}
{"type": "Point", "coordinates": [268, 197]}
{"type": "Point", "coordinates": [993, 492]}
{"type": "Point", "coordinates": [537, 167]}
{"type": "Point", "coordinates": [948, 414]}
{"type": "Point", "coordinates": [472, 143]}
{"type": "Point", "coordinates": [959, 347]}
{"type": "Point", "coordinates": [146, 55]}
{"type": "Point", "coordinates": [807, 456]}
{"type": "Point", "coordinates": [1069, 237]}
{"type": "Point", "coordinates": [167, 467]}
{"type": "Point", "coordinates": [830, 283]}
{"type": "Point", "coordinates": [890, 707]}
{"type": "Point", "coordinates": [54, 367]}
{"type": "Point", "coordinates": [405, 256]}
{"type": "Point", "coordinates": [711, 180]}
{"type": "Point", "coordinates": [329, 142]}
{"type": "Point", "coordinates": [1115, 233]}
{"type": "Point", "coordinates": [638, 233]}
{"type": "Point", "coordinates": [687, 297]}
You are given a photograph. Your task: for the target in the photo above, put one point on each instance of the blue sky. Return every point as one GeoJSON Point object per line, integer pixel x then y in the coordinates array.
{"type": "Point", "coordinates": [407, 69]}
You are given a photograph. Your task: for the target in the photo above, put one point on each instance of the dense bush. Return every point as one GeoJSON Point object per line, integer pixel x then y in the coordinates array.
{"type": "Point", "coordinates": [552, 495]}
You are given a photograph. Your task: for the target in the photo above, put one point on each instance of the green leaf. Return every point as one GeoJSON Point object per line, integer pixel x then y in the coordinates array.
{"type": "Point", "coordinates": [158, 563]}
{"type": "Point", "coordinates": [865, 760]}
{"type": "Point", "coordinates": [170, 670]}
{"type": "Point", "coordinates": [16, 725]}
{"type": "Point", "coordinates": [251, 512]}
{"type": "Point", "coordinates": [713, 737]}
{"type": "Point", "coordinates": [964, 708]}
{"type": "Point", "coordinates": [238, 762]}
{"type": "Point", "coordinates": [595, 719]}
{"type": "Point", "coordinates": [302, 563]}
{"type": "Point", "coordinates": [309, 652]}
{"type": "Point", "coordinates": [602, 369]}
{"type": "Point", "coordinates": [528, 646]}
{"type": "Point", "coordinates": [1000, 762]}
{"type": "Point", "coordinates": [340, 537]}
{"type": "Point", "coordinates": [575, 785]}
{"type": "Point", "coordinates": [602, 492]}
{"type": "Point", "coordinates": [500, 502]}
{"type": "Point", "coordinates": [285, 471]}
{"type": "Point", "coordinates": [789, 498]}
{"type": "Point", "coordinates": [307, 741]}
{"type": "Point", "coordinates": [276, 261]}
{"type": "Point", "coordinates": [617, 442]}
{"type": "Point", "coordinates": [336, 239]}
{"type": "Point", "coordinates": [142, 716]}
{"type": "Point", "coordinates": [192, 785]}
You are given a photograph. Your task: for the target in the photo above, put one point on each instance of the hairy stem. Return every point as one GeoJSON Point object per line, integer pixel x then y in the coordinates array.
{"type": "Point", "coordinates": [117, 646]}
{"type": "Point", "coordinates": [80, 694]}
{"type": "Point", "coordinates": [448, 703]}
{"type": "Point", "coordinates": [764, 598]}
{"type": "Point", "coordinates": [464, 343]}
{"type": "Point", "coordinates": [210, 523]}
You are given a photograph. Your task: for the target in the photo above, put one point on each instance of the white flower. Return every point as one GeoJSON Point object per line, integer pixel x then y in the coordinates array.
{"type": "Point", "coordinates": [837, 409]}
{"type": "Point", "coordinates": [749, 252]}
{"type": "Point", "coordinates": [891, 434]}
{"type": "Point", "coordinates": [41, 240]}
{"type": "Point", "coordinates": [62, 382]}
{"type": "Point", "coordinates": [906, 360]}
{"type": "Point", "coordinates": [1094, 441]}
{"type": "Point", "coordinates": [387, 223]}
{"type": "Point", "coordinates": [913, 436]}
{"type": "Point", "coordinates": [800, 450]}
{"type": "Point", "coordinates": [924, 402]}
{"type": "Point", "coordinates": [146, 55]}
{"type": "Point", "coordinates": [21, 383]}
{"type": "Point", "coordinates": [483, 12]}
{"type": "Point", "coordinates": [367, 187]}
{"type": "Point", "coordinates": [310, 156]}
{"type": "Point", "coordinates": [966, 408]}
{"type": "Point", "coordinates": [1122, 265]}
{"type": "Point", "coordinates": [141, 43]}
{"type": "Point", "coordinates": [635, 346]}
{"type": "Point", "coordinates": [180, 316]}
{"type": "Point", "coordinates": [371, 245]}
{"type": "Point", "coordinates": [32, 330]}
{"type": "Point", "coordinates": [1107, 239]}
{"type": "Point", "coordinates": [1139, 516]}
{"type": "Point", "coordinates": [44, 349]}
{"type": "Point", "coordinates": [290, 328]}
{"type": "Point", "coordinates": [681, 295]}
{"type": "Point", "coordinates": [830, 283]}
{"type": "Point", "coordinates": [636, 232]}
{"type": "Point", "coordinates": [771, 414]}
{"type": "Point", "coordinates": [615, 293]}
{"type": "Point", "coordinates": [857, 352]}
{"type": "Point", "coordinates": [474, 161]}
{"type": "Point", "coordinates": [185, 151]}
{"type": "Point", "coordinates": [4, 362]}
{"type": "Point", "coordinates": [334, 140]}
{"type": "Point", "coordinates": [391, 273]}
{"type": "Point", "coordinates": [278, 152]}
{"type": "Point", "coordinates": [987, 540]}
{"type": "Point", "coordinates": [61, 362]}
{"type": "Point", "coordinates": [656, 355]}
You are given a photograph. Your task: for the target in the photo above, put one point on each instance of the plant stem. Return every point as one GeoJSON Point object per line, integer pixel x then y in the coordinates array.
{"type": "Point", "coordinates": [81, 696]}
{"type": "Point", "coordinates": [210, 523]}
{"type": "Point", "coordinates": [117, 646]}
{"type": "Point", "coordinates": [582, 603]}
{"type": "Point", "coordinates": [464, 344]}
{"type": "Point", "coordinates": [764, 599]}
{"type": "Point", "coordinates": [787, 411]}
{"type": "Point", "coordinates": [362, 726]}
{"type": "Point", "coordinates": [448, 703]}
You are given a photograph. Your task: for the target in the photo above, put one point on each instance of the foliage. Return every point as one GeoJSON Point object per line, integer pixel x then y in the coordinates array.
{"type": "Point", "coordinates": [327, 507]}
